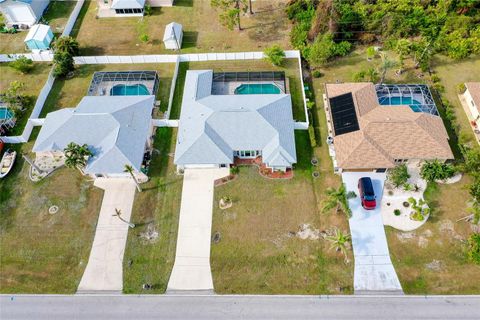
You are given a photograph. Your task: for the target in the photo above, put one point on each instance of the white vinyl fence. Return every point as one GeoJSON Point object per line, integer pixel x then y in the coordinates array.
{"type": "Point", "coordinates": [160, 58]}
{"type": "Point", "coordinates": [73, 18]}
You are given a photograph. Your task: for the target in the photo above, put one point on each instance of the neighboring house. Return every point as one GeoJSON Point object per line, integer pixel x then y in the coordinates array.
{"type": "Point", "coordinates": [172, 38]}
{"type": "Point", "coordinates": [117, 130]}
{"type": "Point", "coordinates": [472, 98]}
{"type": "Point", "coordinates": [376, 127]}
{"type": "Point", "coordinates": [214, 129]}
{"type": "Point", "coordinates": [128, 8]}
{"type": "Point", "coordinates": [22, 14]}
{"type": "Point", "coordinates": [39, 37]}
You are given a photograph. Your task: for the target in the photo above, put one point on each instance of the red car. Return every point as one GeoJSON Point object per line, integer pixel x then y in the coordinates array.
{"type": "Point", "coordinates": [367, 194]}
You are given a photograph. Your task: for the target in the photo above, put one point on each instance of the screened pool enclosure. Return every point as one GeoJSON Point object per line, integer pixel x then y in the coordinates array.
{"type": "Point", "coordinates": [264, 82]}
{"type": "Point", "coordinates": [417, 96]}
{"type": "Point", "coordinates": [124, 83]}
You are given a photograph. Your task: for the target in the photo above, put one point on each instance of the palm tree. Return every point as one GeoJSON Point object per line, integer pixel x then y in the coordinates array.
{"type": "Point", "coordinates": [66, 44]}
{"type": "Point", "coordinates": [338, 199]}
{"type": "Point", "coordinates": [76, 156]}
{"type": "Point", "coordinates": [129, 169]}
{"type": "Point", "coordinates": [339, 242]}
{"type": "Point", "coordinates": [385, 65]}
{"type": "Point", "coordinates": [250, 7]}
{"type": "Point", "coordinates": [372, 74]}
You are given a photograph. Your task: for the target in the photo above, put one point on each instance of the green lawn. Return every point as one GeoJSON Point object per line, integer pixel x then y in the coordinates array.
{"type": "Point", "coordinates": [33, 83]}
{"type": "Point", "coordinates": [451, 74]}
{"type": "Point", "coordinates": [157, 206]}
{"type": "Point", "coordinates": [56, 16]}
{"type": "Point", "coordinates": [40, 252]}
{"type": "Point", "coordinates": [67, 93]}
{"type": "Point", "coordinates": [202, 29]}
{"type": "Point", "coordinates": [290, 67]}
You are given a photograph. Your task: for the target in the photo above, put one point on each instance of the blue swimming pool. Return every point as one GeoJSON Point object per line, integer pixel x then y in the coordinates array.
{"type": "Point", "coordinates": [5, 114]}
{"type": "Point", "coordinates": [395, 101]}
{"type": "Point", "coordinates": [257, 88]}
{"type": "Point", "coordinates": [129, 90]}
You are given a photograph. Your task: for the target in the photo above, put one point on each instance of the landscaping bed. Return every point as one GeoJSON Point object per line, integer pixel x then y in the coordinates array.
{"type": "Point", "coordinates": [202, 31]}
{"type": "Point", "coordinates": [41, 251]}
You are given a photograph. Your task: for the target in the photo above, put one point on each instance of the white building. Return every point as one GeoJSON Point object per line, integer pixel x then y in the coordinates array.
{"type": "Point", "coordinates": [472, 97]}
{"type": "Point", "coordinates": [22, 14]}
{"type": "Point", "coordinates": [172, 38]}
{"type": "Point", "coordinates": [128, 8]}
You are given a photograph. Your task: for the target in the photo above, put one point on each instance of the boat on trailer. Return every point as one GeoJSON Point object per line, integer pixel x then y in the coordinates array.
{"type": "Point", "coordinates": [7, 162]}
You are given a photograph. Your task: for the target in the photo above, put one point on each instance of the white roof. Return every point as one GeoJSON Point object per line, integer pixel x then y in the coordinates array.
{"type": "Point", "coordinates": [37, 32]}
{"type": "Point", "coordinates": [128, 4]}
{"type": "Point", "coordinates": [172, 30]}
{"type": "Point", "coordinates": [212, 127]}
{"type": "Point", "coordinates": [115, 128]}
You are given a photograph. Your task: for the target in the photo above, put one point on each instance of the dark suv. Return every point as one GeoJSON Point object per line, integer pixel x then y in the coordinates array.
{"type": "Point", "coordinates": [367, 194]}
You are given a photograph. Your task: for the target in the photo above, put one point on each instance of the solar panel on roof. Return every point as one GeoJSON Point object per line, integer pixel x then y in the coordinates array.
{"type": "Point", "coordinates": [344, 114]}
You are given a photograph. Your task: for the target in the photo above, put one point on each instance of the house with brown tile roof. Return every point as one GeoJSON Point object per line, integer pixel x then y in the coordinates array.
{"type": "Point", "coordinates": [368, 135]}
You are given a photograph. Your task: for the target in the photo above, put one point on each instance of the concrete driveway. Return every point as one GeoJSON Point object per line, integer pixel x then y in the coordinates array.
{"type": "Point", "coordinates": [374, 271]}
{"type": "Point", "coordinates": [191, 270]}
{"type": "Point", "coordinates": [104, 271]}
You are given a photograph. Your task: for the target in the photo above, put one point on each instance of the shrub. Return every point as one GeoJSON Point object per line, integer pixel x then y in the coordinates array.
{"type": "Point", "coordinates": [473, 251]}
{"type": "Point", "coordinates": [144, 38]}
{"type": "Point", "coordinates": [22, 64]}
{"type": "Point", "coordinates": [435, 170]}
{"type": "Point", "coordinates": [371, 52]}
{"type": "Point", "coordinates": [461, 88]}
{"type": "Point", "coordinates": [311, 134]}
{"type": "Point", "coordinates": [397, 212]}
{"type": "Point", "coordinates": [63, 64]}
{"type": "Point", "coordinates": [234, 170]}
{"type": "Point", "coordinates": [148, 10]}
{"type": "Point", "coordinates": [310, 104]}
{"type": "Point", "coordinates": [435, 78]}
{"type": "Point", "coordinates": [317, 74]}
{"type": "Point", "coordinates": [398, 175]}
{"type": "Point", "coordinates": [66, 44]}
{"type": "Point", "coordinates": [324, 48]}
{"type": "Point", "coordinates": [275, 55]}
{"type": "Point", "coordinates": [359, 76]}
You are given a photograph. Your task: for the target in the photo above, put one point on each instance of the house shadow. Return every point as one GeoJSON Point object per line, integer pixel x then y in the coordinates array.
{"type": "Point", "coordinates": [189, 39]}
{"type": "Point", "coordinates": [183, 3]}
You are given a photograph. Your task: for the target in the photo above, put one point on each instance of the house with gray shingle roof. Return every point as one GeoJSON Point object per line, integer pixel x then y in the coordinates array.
{"type": "Point", "coordinates": [117, 130]}
{"type": "Point", "coordinates": [214, 129]}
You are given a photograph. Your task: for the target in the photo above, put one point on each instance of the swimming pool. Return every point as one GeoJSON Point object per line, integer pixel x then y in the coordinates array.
{"type": "Point", "coordinates": [415, 105]}
{"type": "Point", "coordinates": [129, 90]}
{"type": "Point", "coordinates": [5, 114]}
{"type": "Point", "coordinates": [257, 88]}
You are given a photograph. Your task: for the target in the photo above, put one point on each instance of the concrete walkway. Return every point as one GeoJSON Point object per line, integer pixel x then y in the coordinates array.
{"type": "Point", "coordinates": [374, 272]}
{"type": "Point", "coordinates": [104, 271]}
{"type": "Point", "coordinates": [191, 270]}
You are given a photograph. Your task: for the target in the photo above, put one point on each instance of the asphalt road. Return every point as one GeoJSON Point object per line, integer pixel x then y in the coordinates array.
{"type": "Point", "coordinates": [237, 307]}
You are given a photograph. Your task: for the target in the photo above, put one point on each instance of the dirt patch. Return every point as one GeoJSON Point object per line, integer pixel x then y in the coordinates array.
{"type": "Point", "coordinates": [422, 242]}
{"type": "Point", "coordinates": [446, 226]}
{"type": "Point", "coordinates": [435, 265]}
{"type": "Point", "coordinates": [150, 235]}
{"type": "Point", "coordinates": [307, 232]}
{"type": "Point", "coordinates": [405, 236]}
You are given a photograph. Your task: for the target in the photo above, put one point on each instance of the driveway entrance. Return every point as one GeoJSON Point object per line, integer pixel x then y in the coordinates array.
{"type": "Point", "coordinates": [374, 271]}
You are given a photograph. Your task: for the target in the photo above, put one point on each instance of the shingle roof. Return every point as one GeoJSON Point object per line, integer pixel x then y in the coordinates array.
{"type": "Point", "coordinates": [474, 90]}
{"type": "Point", "coordinates": [387, 133]}
{"type": "Point", "coordinates": [115, 128]}
{"type": "Point", "coordinates": [211, 127]}
{"type": "Point", "coordinates": [128, 4]}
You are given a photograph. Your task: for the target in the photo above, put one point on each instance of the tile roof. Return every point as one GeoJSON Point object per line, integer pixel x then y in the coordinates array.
{"type": "Point", "coordinates": [212, 127]}
{"type": "Point", "coordinates": [115, 128]}
{"type": "Point", "coordinates": [387, 132]}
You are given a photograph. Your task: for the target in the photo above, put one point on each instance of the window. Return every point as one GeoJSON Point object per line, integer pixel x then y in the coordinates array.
{"type": "Point", "coordinates": [128, 10]}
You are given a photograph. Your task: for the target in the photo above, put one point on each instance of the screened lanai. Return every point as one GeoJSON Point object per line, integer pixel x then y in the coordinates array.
{"type": "Point", "coordinates": [124, 83]}
{"type": "Point", "coordinates": [417, 96]}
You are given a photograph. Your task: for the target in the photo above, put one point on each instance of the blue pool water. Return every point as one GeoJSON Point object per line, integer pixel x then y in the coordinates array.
{"type": "Point", "coordinates": [5, 114]}
{"type": "Point", "coordinates": [414, 104]}
{"type": "Point", "coordinates": [131, 90]}
{"type": "Point", "coordinates": [257, 88]}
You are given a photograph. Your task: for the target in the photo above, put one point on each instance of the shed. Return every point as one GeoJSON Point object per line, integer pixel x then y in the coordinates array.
{"type": "Point", "coordinates": [22, 14]}
{"type": "Point", "coordinates": [173, 36]}
{"type": "Point", "coordinates": [39, 37]}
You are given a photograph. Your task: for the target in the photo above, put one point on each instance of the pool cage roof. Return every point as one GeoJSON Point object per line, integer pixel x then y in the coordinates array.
{"type": "Point", "coordinates": [248, 76]}
{"type": "Point", "coordinates": [122, 76]}
{"type": "Point", "coordinates": [415, 92]}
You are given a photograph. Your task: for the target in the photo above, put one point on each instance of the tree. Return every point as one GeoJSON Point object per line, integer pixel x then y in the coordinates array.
{"type": "Point", "coordinates": [403, 48]}
{"type": "Point", "coordinates": [385, 65]}
{"type": "Point", "coordinates": [371, 53]}
{"type": "Point", "coordinates": [372, 74]}
{"type": "Point", "coordinates": [14, 98]}
{"type": "Point", "coordinates": [76, 156]}
{"type": "Point", "coordinates": [66, 44]}
{"type": "Point", "coordinates": [118, 214]}
{"type": "Point", "coordinates": [324, 48]}
{"type": "Point", "coordinates": [250, 6]}
{"type": "Point", "coordinates": [398, 175]}
{"type": "Point", "coordinates": [435, 170]}
{"type": "Point", "coordinates": [473, 251]}
{"type": "Point", "coordinates": [275, 55]}
{"type": "Point", "coordinates": [338, 199]}
{"type": "Point", "coordinates": [231, 10]}
{"type": "Point", "coordinates": [129, 169]}
{"type": "Point", "coordinates": [22, 64]}
{"type": "Point", "coordinates": [339, 242]}
{"type": "Point", "coordinates": [63, 64]}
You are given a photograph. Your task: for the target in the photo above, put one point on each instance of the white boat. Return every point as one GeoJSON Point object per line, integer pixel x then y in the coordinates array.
{"type": "Point", "coordinates": [7, 162]}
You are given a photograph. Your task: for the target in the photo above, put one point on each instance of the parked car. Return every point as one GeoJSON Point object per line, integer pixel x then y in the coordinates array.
{"type": "Point", "coordinates": [367, 194]}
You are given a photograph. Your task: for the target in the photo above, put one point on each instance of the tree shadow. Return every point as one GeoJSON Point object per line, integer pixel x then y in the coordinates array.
{"type": "Point", "coordinates": [183, 3]}
{"type": "Point", "coordinates": [189, 39]}
{"type": "Point", "coordinates": [92, 51]}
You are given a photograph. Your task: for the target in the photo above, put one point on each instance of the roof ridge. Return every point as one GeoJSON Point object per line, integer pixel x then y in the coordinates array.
{"type": "Point", "coordinates": [429, 132]}
{"type": "Point", "coordinates": [374, 143]}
